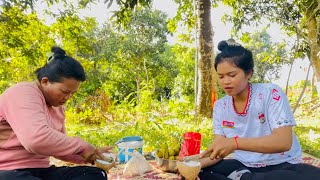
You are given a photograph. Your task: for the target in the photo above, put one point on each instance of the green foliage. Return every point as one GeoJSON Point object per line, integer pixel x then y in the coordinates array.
{"type": "Point", "coordinates": [293, 16]}
{"type": "Point", "coordinates": [185, 16]}
{"type": "Point", "coordinates": [24, 42]}
{"type": "Point", "coordinates": [136, 54]}
{"type": "Point", "coordinates": [127, 7]}
{"type": "Point", "coordinates": [308, 101]}
{"type": "Point", "coordinates": [283, 12]}
{"type": "Point", "coordinates": [184, 82]}
{"type": "Point", "coordinates": [153, 119]}
{"type": "Point", "coordinates": [74, 33]}
{"type": "Point", "coordinates": [17, 3]}
{"type": "Point", "coordinates": [307, 117]}
{"type": "Point", "coordinates": [137, 84]}
{"type": "Point", "coordinates": [165, 68]}
{"type": "Point", "coordinates": [309, 136]}
{"type": "Point", "coordinates": [300, 84]}
{"type": "Point", "coordinates": [150, 119]}
{"type": "Point", "coordinates": [268, 56]}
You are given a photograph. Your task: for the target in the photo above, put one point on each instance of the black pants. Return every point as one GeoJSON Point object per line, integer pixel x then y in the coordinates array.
{"type": "Point", "coordinates": [221, 170]}
{"type": "Point", "coordinates": [55, 173]}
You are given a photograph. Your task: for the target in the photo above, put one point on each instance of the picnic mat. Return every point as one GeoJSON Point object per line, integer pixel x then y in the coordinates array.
{"type": "Point", "coordinates": [116, 173]}
{"type": "Point", "coordinates": [308, 159]}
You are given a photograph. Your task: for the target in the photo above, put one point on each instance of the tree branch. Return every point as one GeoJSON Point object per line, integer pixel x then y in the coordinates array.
{"type": "Point", "coordinates": [315, 107]}
{"type": "Point", "coordinates": [291, 64]}
{"type": "Point", "coordinates": [298, 30]}
{"type": "Point", "coordinates": [312, 14]}
{"type": "Point", "coordinates": [304, 88]}
{"type": "Point", "coordinates": [309, 101]}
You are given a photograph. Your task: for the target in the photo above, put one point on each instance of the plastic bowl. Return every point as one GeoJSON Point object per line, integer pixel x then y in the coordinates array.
{"type": "Point", "coordinates": [166, 165]}
{"type": "Point", "coordinates": [105, 165]}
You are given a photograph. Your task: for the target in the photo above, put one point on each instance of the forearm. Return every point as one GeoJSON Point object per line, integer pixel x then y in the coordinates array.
{"type": "Point", "coordinates": [206, 162]}
{"type": "Point", "coordinates": [53, 143]}
{"type": "Point", "coordinates": [72, 158]}
{"type": "Point", "coordinates": [266, 144]}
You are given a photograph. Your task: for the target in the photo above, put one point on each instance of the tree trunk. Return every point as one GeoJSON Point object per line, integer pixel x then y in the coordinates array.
{"type": "Point", "coordinates": [206, 82]}
{"type": "Point", "coordinates": [138, 81]}
{"type": "Point", "coordinates": [313, 35]}
{"type": "Point", "coordinates": [313, 88]}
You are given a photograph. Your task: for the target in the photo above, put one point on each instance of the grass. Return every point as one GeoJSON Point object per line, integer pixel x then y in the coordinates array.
{"type": "Point", "coordinates": [308, 132]}
{"type": "Point", "coordinates": [158, 122]}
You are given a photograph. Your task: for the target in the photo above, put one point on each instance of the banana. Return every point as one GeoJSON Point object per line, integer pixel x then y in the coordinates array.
{"type": "Point", "coordinates": [169, 152]}
{"type": "Point", "coordinates": [175, 148]}
{"type": "Point", "coordinates": [160, 153]}
{"type": "Point", "coordinates": [172, 151]}
{"type": "Point", "coordinates": [172, 158]}
{"type": "Point", "coordinates": [166, 155]}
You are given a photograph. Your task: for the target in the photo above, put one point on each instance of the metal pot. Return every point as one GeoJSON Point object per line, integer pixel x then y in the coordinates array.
{"type": "Point", "coordinates": [166, 165]}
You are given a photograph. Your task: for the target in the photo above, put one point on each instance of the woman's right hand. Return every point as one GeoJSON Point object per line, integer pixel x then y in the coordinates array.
{"type": "Point", "coordinates": [101, 150]}
{"type": "Point", "coordinates": [220, 148]}
{"type": "Point", "coordinates": [89, 155]}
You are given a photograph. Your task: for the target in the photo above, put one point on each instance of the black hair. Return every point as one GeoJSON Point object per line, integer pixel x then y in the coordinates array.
{"type": "Point", "coordinates": [60, 66]}
{"type": "Point", "coordinates": [235, 53]}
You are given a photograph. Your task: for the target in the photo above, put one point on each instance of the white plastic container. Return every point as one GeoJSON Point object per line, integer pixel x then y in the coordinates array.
{"type": "Point", "coordinates": [126, 147]}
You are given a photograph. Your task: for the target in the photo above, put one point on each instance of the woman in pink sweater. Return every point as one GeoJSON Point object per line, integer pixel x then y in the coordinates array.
{"type": "Point", "coordinates": [32, 128]}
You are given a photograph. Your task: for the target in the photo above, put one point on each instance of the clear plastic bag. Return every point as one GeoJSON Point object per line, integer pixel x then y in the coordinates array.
{"type": "Point", "coordinates": [137, 165]}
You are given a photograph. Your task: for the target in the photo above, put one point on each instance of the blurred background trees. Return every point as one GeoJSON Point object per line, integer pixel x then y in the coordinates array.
{"type": "Point", "coordinates": [139, 83]}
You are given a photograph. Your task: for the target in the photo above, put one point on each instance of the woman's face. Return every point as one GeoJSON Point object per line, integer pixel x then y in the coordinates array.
{"type": "Point", "coordinates": [233, 80]}
{"type": "Point", "coordinates": [57, 93]}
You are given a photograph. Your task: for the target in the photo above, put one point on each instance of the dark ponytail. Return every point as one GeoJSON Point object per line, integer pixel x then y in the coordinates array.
{"type": "Point", "coordinates": [235, 53]}
{"type": "Point", "coordinates": [60, 66]}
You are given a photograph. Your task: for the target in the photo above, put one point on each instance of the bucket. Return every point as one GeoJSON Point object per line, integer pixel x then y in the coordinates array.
{"type": "Point", "coordinates": [126, 147]}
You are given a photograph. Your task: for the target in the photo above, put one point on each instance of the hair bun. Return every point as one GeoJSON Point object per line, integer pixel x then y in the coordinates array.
{"type": "Point", "coordinates": [222, 45]}
{"type": "Point", "coordinates": [232, 42]}
{"type": "Point", "coordinates": [228, 43]}
{"type": "Point", "coordinates": [58, 52]}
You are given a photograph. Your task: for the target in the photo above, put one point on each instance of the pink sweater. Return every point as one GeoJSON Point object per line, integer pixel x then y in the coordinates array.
{"type": "Point", "coordinates": [31, 132]}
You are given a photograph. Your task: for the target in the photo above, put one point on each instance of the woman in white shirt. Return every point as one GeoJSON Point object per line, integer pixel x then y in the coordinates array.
{"type": "Point", "coordinates": [253, 120]}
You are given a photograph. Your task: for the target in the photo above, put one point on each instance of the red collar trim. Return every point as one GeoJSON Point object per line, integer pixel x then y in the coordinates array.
{"type": "Point", "coordinates": [244, 112]}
